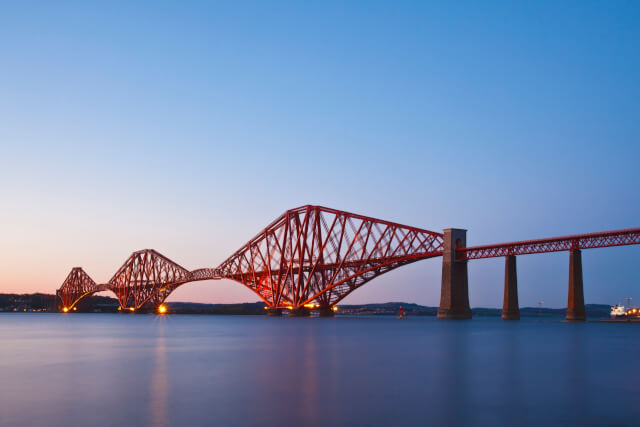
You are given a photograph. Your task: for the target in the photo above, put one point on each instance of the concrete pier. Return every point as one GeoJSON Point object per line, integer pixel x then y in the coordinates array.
{"type": "Point", "coordinates": [325, 312]}
{"type": "Point", "coordinates": [300, 312]}
{"type": "Point", "coordinates": [274, 312]}
{"type": "Point", "coordinates": [454, 291]}
{"type": "Point", "coordinates": [510, 308]}
{"type": "Point", "coordinates": [575, 305]}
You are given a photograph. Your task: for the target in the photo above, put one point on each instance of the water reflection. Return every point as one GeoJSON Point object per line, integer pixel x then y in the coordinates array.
{"type": "Point", "coordinates": [308, 375]}
{"type": "Point", "coordinates": [197, 370]}
{"type": "Point", "coordinates": [511, 379]}
{"type": "Point", "coordinates": [578, 375]}
{"type": "Point", "coordinates": [159, 389]}
{"type": "Point", "coordinates": [454, 384]}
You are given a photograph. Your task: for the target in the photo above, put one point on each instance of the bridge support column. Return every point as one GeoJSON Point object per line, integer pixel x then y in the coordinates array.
{"type": "Point", "coordinates": [299, 312]}
{"type": "Point", "coordinates": [510, 308]}
{"type": "Point", "coordinates": [274, 312]}
{"type": "Point", "coordinates": [325, 311]}
{"type": "Point", "coordinates": [454, 292]}
{"type": "Point", "coordinates": [575, 306]}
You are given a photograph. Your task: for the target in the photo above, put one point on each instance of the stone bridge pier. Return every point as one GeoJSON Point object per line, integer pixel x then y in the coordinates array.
{"type": "Point", "coordinates": [454, 292]}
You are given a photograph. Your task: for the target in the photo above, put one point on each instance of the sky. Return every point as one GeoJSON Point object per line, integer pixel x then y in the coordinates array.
{"type": "Point", "coordinates": [189, 126]}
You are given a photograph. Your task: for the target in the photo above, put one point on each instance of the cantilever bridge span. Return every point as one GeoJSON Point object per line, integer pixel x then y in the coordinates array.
{"type": "Point", "coordinates": [145, 279]}
{"type": "Point", "coordinates": [309, 256]}
{"type": "Point", "coordinates": [313, 257]}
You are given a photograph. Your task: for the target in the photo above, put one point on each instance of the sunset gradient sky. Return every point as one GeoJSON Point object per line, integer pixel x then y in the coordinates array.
{"type": "Point", "coordinates": [187, 127]}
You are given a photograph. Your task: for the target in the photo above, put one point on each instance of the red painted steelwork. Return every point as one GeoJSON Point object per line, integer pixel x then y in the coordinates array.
{"type": "Point", "coordinates": [581, 241]}
{"type": "Point", "coordinates": [318, 255]}
{"type": "Point", "coordinates": [145, 278]}
{"type": "Point", "coordinates": [77, 285]}
{"type": "Point", "coordinates": [148, 277]}
{"type": "Point", "coordinates": [310, 255]}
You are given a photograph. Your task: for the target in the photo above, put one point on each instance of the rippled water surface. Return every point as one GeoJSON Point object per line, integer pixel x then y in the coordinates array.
{"type": "Point", "coordinates": [106, 369]}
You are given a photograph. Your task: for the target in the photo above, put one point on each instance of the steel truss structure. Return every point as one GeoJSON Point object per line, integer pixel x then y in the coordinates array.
{"type": "Point", "coordinates": [77, 285]}
{"type": "Point", "coordinates": [316, 255]}
{"type": "Point", "coordinates": [145, 279]}
{"type": "Point", "coordinates": [309, 256]}
{"type": "Point", "coordinates": [556, 244]}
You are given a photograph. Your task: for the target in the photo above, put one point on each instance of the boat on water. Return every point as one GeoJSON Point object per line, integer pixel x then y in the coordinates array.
{"type": "Point", "coordinates": [620, 312]}
{"type": "Point", "coordinates": [401, 313]}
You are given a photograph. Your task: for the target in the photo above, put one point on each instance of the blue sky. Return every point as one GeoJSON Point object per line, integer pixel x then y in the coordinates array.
{"type": "Point", "coordinates": [188, 126]}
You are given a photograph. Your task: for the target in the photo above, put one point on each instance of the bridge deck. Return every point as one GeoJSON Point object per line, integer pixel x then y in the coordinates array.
{"type": "Point", "coordinates": [603, 239]}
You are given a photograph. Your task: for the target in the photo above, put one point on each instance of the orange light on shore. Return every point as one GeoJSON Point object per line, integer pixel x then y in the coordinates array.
{"type": "Point", "coordinates": [334, 308]}
{"type": "Point", "coordinates": [65, 309]}
{"type": "Point", "coordinates": [162, 309]}
{"type": "Point", "coordinates": [131, 309]}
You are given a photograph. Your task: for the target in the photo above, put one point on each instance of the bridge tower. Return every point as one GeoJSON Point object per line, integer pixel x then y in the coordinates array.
{"type": "Point", "coordinates": [510, 308]}
{"type": "Point", "coordinates": [454, 291]}
{"type": "Point", "coordinates": [575, 306]}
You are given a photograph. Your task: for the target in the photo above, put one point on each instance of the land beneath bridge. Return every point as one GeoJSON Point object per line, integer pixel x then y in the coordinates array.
{"type": "Point", "coordinates": [39, 302]}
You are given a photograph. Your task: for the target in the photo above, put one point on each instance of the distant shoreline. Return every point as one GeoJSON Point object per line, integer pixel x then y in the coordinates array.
{"type": "Point", "coordinates": [100, 304]}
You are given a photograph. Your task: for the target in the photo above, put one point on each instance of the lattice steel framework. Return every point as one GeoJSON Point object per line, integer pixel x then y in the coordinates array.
{"type": "Point", "coordinates": [581, 241]}
{"type": "Point", "coordinates": [310, 255]}
{"type": "Point", "coordinates": [77, 285]}
{"type": "Point", "coordinates": [147, 277]}
{"type": "Point", "coordinates": [314, 254]}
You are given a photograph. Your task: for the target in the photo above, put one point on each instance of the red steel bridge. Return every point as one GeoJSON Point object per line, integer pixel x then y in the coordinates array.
{"type": "Point", "coordinates": [312, 257]}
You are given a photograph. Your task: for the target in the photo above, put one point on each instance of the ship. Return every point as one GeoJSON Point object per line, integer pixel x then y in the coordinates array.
{"type": "Point", "coordinates": [620, 312]}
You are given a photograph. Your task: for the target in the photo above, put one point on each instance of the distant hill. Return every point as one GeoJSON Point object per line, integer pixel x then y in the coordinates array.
{"type": "Point", "coordinates": [47, 302]}
{"type": "Point", "coordinates": [27, 302]}
{"type": "Point", "coordinates": [389, 308]}
{"type": "Point", "coordinates": [103, 304]}
{"type": "Point", "coordinates": [250, 308]}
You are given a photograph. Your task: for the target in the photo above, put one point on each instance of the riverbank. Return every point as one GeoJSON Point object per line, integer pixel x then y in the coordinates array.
{"type": "Point", "coordinates": [102, 304]}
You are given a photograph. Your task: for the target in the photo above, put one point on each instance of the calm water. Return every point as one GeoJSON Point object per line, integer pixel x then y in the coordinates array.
{"type": "Point", "coordinates": [103, 369]}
